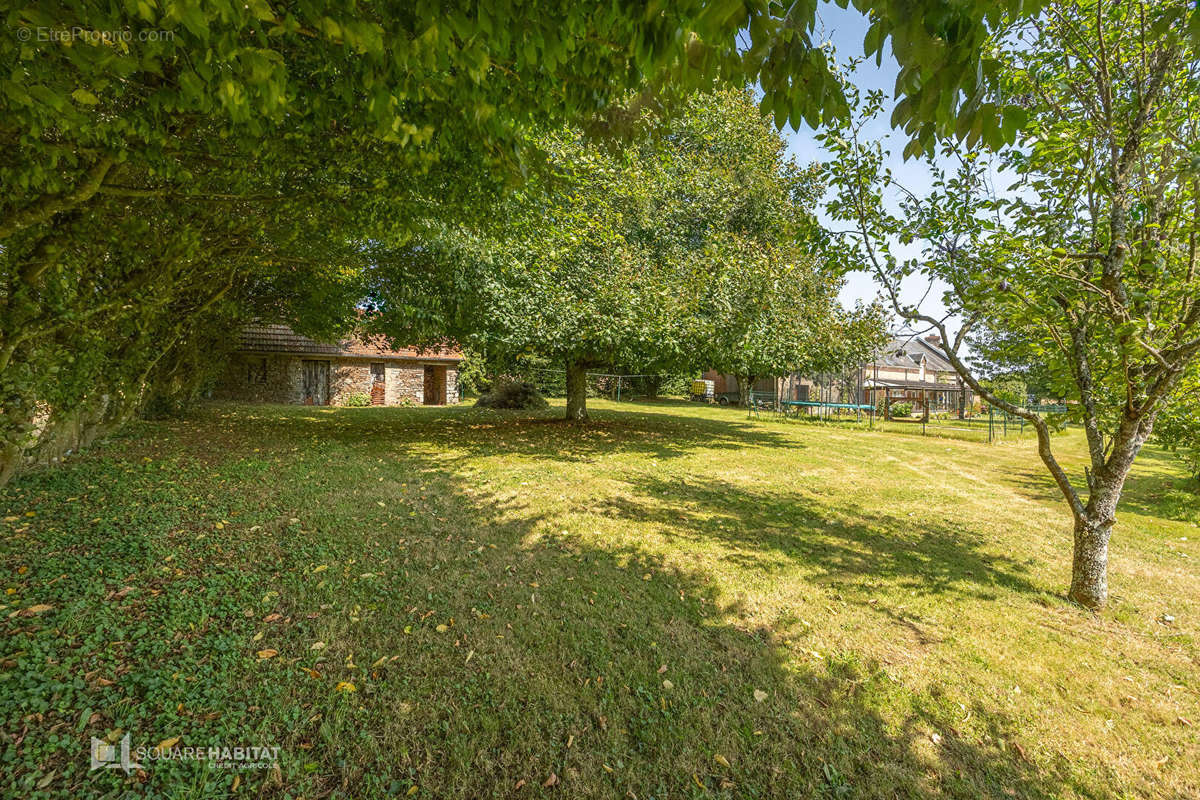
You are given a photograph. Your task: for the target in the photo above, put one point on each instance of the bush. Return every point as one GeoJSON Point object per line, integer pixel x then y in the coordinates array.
{"type": "Point", "coordinates": [902, 409]}
{"type": "Point", "coordinates": [357, 400]}
{"type": "Point", "coordinates": [512, 394]}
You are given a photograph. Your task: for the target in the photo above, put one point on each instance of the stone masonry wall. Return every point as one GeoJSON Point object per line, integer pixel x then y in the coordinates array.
{"type": "Point", "coordinates": [348, 378]}
{"type": "Point", "coordinates": [242, 380]}
{"type": "Point", "coordinates": [282, 383]}
{"type": "Point", "coordinates": [404, 381]}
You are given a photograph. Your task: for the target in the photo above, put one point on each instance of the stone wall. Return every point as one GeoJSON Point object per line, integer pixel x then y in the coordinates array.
{"type": "Point", "coordinates": [404, 381]}
{"type": "Point", "coordinates": [244, 380]}
{"type": "Point", "coordinates": [348, 378]}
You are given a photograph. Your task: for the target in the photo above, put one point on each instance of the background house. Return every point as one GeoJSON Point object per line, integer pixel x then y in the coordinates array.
{"type": "Point", "coordinates": [273, 364]}
{"type": "Point", "coordinates": [913, 370]}
{"type": "Point", "coordinates": [908, 369]}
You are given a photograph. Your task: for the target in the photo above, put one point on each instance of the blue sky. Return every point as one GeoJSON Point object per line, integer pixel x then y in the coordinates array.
{"type": "Point", "coordinates": [845, 28]}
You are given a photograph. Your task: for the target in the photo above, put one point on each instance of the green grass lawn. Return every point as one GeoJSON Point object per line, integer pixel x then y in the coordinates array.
{"type": "Point", "coordinates": [672, 602]}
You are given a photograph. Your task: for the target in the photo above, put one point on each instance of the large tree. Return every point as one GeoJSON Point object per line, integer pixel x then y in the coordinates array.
{"type": "Point", "coordinates": [1090, 259]}
{"type": "Point", "coordinates": [671, 253]}
{"type": "Point", "coordinates": [367, 114]}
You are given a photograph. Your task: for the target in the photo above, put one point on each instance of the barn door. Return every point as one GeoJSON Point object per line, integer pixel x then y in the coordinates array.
{"type": "Point", "coordinates": [316, 383]}
{"type": "Point", "coordinates": [435, 386]}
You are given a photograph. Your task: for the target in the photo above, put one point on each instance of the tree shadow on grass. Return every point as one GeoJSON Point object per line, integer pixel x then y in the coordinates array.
{"type": "Point", "coordinates": [846, 544]}
{"type": "Point", "coordinates": [599, 670]}
{"type": "Point", "coordinates": [489, 432]}
{"type": "Point", "coordinates": [480, 654]}
{"type": "Point", "coordinates": [1156, 487]}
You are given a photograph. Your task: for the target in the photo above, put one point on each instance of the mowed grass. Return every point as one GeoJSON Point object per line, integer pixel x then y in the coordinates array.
{"type": "Point", "coordinates": [671, 602]}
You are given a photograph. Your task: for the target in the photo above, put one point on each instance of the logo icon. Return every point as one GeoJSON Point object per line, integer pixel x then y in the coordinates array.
{"type": "Point", "coordinates": [106, 756]}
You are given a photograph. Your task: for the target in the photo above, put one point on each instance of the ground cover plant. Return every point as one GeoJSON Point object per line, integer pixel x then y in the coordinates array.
{"type": "Point", "coordinates": [674, 601]}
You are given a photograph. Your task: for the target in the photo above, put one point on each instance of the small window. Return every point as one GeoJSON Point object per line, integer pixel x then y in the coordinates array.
{"type": "Point", "coordinates": [377, 373]}
{"type": "Point", "coordinates": [256, 370]}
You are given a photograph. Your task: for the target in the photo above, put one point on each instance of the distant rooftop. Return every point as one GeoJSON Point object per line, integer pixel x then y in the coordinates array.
{"type": "Point", "coordinates": [906, 350]}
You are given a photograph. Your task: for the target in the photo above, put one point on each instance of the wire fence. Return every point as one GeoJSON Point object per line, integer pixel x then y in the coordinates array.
{"type": "Point", "coordinates": [989, 424]}
{"type": "Point", "coordinates": [619, 387]}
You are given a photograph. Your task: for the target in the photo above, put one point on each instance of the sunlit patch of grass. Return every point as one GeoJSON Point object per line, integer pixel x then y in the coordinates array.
{"type": "Point", "coordinates": [672, 601]}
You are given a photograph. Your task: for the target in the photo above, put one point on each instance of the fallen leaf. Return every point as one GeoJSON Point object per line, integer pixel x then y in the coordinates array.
{"type": "Point", "coordinates": [759, 695]}
{"type": "Point", "coordinates": [668, 685]}
{"type": "Point", "coordinates": [40, 608]}
{"type": "Point", "coordinates": [344, 686]}
{"type": "Point", "coordinates": [551, 781]}
{"type": "Point", "coordinates": [722, 760]}
{"type": "Point", "coordinates": [268, 653]}
{"type": "Point", "coordinates": [167, 744]}
{"type": "Point", "coordinates": [317, 646]}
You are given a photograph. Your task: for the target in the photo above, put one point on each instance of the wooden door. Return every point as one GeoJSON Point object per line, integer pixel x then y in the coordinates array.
{"type": "Point", "coordinates": [316, 383]}
{"type": "Point", "coordinates": [378, 384]}
{"type": "Point", "coordinates": [435, 386]}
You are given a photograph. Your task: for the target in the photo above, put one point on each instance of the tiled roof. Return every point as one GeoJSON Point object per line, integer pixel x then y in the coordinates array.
{"type": "Point", "coordinates": [282, 339]}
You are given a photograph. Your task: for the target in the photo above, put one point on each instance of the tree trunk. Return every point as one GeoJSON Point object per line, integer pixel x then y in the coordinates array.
{"type": "Point", "coordinates": [1089, 567]}
{"type": "Point", "coordinates": [576, 392]}
{"type": "Point", "coordinates": [745, 383]}
{"type": "Point", "coordinates": [1093, 527]}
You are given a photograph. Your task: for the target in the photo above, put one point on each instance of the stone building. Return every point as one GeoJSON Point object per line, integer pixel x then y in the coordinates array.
{"type": "Point", "coordinates": [273, 364]}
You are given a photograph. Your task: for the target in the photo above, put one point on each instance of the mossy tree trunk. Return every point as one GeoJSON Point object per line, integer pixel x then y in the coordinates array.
{"type": "Point", "coordinates": [576, 391]}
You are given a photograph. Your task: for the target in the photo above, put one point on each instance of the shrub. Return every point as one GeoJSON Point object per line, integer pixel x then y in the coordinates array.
{"type": "Point", "coordinates": [902, 409]}
{"type": "Point", "coordinates": [357, 400]}
{"type": "Point", "coordinates": [512, 394]}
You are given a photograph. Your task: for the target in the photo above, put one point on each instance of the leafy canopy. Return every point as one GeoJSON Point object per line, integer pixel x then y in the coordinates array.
{"type": "Point", "coordinates": [686, 249]}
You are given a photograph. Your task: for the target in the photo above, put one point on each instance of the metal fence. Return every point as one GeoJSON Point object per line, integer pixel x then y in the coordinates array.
{"type": "Point", "coordinates": [991, 424]}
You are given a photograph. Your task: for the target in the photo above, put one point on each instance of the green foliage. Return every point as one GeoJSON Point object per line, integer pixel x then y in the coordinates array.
{"type": "Point", "coordinates": [687, 249]}
{"type": "Point", "coordinates": [241, 153]}
{"type": "Point", "coordinates": [902, 410]}
{"type": "Point", "coordinates": [357, 400]}
{"type": "Point", "coordinates": [1009, 388]}
{"type": "Point", "coordinates": [176, 156]}
{"type": "Point", "coordinates": [1088, 264]}
{"type": "Point", "coordinates": [1178, 427]}
{"type": "Point", "coordinates": [473, 373]}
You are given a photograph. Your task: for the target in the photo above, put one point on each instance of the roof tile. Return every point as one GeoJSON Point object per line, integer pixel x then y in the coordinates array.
{"type": "Point", "coordinates": [282, 339]}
